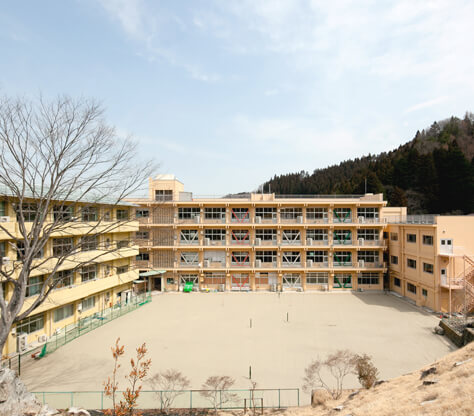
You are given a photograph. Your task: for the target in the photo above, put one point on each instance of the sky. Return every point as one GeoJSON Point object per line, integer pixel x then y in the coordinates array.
{"type": "Point", "coordinates": [226, 94]}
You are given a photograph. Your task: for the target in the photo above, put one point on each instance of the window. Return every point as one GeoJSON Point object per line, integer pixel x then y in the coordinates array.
{"type": "Point", "coordinates": [411, 288]}
{"type": "Point", "coordinates": [368, 234]}
{"type": "Point", "coordinates": [291, 258]}
{"type": "Point", "coordinates": [240, 236]}
{"type": "Point", "coordinates": [393, 259]}
{"type": "Point", "coordinates": [122, 214]}
{"type": "Point", "coordinates": [214, 213]}
{"type": "Point", "coordinates": [89, 243]}
{"type": "Point", "coordinates": [240, 258]}
{"type": "Point", "coordinates": [369, 213]}
{"type": "Point", "coordinates": [89, 214]}
{"type": "Point", "coordinates": [368, 256]}
{"type": "Point", "coordinates": [397, 282]}
{"type": "Point", "coordinates": [411, 263]}
{"type": "Point", "coordinates": [215, 234]}
{"type": "Point", "coordinates": [143, 257]}
{"type": "Point", "coordinates": [290, 213]}
{"type": "Point", "coordinates": [188, 237]}
{"type": "Point", "coordinates": [3, 208]}
{"type": "Point", "coordinates": [368, 278]}
{"type": "Point", "coordinates": [428, 268]}
{"type": "Point", "coordinates": [342, 258]}
{"type": "Point", "coordinates": [317, 235]}
{"type": "Point", "coordinates": [63, 212]}
{"type": "Point", "coordinates": [317, 256]}
{"type": "Point", "coordinates": [34, 285]}
{"type": "Point", "coordinates": [163, 195]}
{"type": "Point", "coordinates": [170, 281]}
{"type": "Point", "coordinates": [122, 269]}
{"type": "Point", "coordinates": [188, 213]}
{"type": "Point", "coordinates": [342, 281]}
{"type": "Point", "coordinates": [411, 238]}
{"type": "Point", "coordinates": [265, 213]}
{"type": "Point", "coordinates": [63, 312]}
{"type": "Point", "coordinates": [88, 303]}
{"type": "Point", "coordinates": [342, 237]}
{"type": "Point", "coordinates": [428, 240]}
{"type": "Point", "coordinates": [445, 242]}
{"type": "Point", "coordinates": [123, 244]}
{"type": "Point", "coordinates": [318, 214]}
{"type": "Point", "coordinates": [342, 215]}
{"type": "Point", "coordinates": [30, 324]}
{"type": "Point", "coordinates": [20, 251]}
{"type": "Point", "coordinates": [317, 278]}
{"type": "Point", "coordinates": [266, 234]}
{"type": "Point", "coordinates": [240, 215]}
{"type": "Point", "coordinates": [266, 256]}
{"type": "Point", "coordinates": [394, 236]}
{"type": "Point", "coordinates": [214, 278]}
{"type": "Point", "coordinates": [142, 213]}
{"type": "Point", "coordinates": [88, 273]}
{"type": "Point", "coordinates": [291, 237]}
{"type": "Point", "coordinates": [30, 211]}
{"type": "Point", "coordinates": [142, 235]}
{"type": "Point", "coordinates": [189, 258]}
{"type": "Point", "coordinates": [424, 292]}
{"type": "Point", "coordinates": [64, 278]}
{"type": "Point", "coordinates": [62, 246]}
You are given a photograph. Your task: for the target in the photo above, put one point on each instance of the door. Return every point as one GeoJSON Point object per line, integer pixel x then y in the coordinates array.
{"type": "Point", "coordinates": [157, 283]}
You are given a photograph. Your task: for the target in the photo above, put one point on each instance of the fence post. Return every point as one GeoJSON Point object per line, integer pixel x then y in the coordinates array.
{"type": "Point", "coordinates": [278, 398]}
{"type": "Point", "coordinates": [19, 364]}
{"type": "Point", "coordinates": [44, 400]}
{"type": "Point", "coordinates": [161, 400]}
{"type": "Point", "coordinates": [72, 398]}
{"type": "Point", "coordinates": [298, 397]}
{"type": "Point", "coordinates": [101, 400]}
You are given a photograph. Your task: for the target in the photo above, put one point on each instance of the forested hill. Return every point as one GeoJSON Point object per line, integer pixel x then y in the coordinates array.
{"type": "Point", "coordinates": [433, 173]}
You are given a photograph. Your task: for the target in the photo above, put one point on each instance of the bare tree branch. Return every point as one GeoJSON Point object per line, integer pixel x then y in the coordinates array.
{"type": "Point", "coordinates": [56, 157]}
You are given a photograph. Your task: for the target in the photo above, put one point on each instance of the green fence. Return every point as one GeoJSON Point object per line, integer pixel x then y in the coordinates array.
{"type": "Point", "coordinates": [73, 331]}
{"type": "Point", "coordinates": [186, 399]}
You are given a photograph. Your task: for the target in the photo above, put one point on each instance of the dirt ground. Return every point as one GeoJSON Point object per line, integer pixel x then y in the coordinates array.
{"type": "Point", "coordinates": [204, 334]}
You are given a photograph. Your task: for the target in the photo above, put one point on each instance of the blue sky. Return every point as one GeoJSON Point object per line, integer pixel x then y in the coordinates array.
{"type": "Point", "coordinates": [225, 94]}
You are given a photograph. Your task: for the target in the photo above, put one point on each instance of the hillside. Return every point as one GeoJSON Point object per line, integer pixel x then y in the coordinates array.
{"type": "Point", "coordinates": [452, 394]}
{"type": "Point", "coordinates": [433, 173]}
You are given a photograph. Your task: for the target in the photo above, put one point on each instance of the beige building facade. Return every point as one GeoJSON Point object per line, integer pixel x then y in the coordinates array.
{"type": "Point", "coordinates": [105, 279]}
{"type": "Point", "coordinates": [256, 241]}
{"type": "Point", "coordinates": [432, 260]}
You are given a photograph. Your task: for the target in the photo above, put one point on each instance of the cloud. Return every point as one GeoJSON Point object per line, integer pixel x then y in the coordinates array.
{"type": "Point", "coordinates": [140, 23]}
{"type": "Point", "coordinates": [425, 104]}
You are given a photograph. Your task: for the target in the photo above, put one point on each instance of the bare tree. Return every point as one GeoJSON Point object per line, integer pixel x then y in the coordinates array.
{"type": "Point", "coordinates": [171, 384]}
{"type": "Point", "coordinates": [339, 365]}
{"type": "Point", "coordinates": [216, 390]}
{"type": "Point", "coordinates": [54, 156]}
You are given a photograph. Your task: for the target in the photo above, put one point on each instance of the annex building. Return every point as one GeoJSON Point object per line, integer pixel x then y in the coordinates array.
{"type": "Point", "coordinates": [105, 278]}
{"type": "Point", "coordinates": [251, 242]}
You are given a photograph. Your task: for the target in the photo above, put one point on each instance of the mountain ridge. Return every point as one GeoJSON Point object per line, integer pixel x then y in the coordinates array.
{"type": "Point", "coordinates": [432, 173]}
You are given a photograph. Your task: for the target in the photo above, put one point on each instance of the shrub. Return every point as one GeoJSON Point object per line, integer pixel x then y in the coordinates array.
{"type": "Point", "coordinates": [365, 370]}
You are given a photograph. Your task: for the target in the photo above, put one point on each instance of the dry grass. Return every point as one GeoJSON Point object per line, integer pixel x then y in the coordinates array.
{"type": "Point", "coordinates": [452, 395]}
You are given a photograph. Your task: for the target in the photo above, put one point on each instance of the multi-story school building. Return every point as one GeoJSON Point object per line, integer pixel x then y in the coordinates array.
{"type": "Point", "coordinates": [261, 241]}
{"type": "Point", "coordinates": [82, 292]}
{"type": "Point", "coordinates": [251, 242]}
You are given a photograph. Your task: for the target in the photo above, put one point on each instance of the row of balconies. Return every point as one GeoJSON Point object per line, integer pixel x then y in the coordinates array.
{"type": "Point", "coordinates": [257, 242]}
{"type": "Point", "coordinates": [259, 220]}
{"type": "Point", "coordinates": [309, 264]}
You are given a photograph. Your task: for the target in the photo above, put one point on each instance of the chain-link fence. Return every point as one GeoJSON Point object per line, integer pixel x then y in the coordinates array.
{"type": "Point", "coordinates": [185, 399]}
{"type": "Point", "coordinates": [73, 331]}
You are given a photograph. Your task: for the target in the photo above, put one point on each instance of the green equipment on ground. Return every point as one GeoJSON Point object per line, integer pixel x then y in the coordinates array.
{"type": "Point", "coordinates": [188, 287]}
